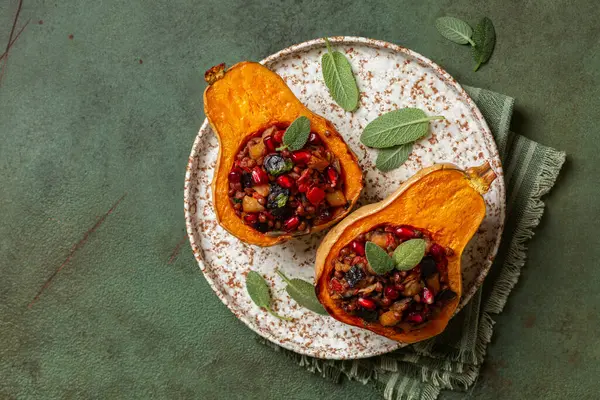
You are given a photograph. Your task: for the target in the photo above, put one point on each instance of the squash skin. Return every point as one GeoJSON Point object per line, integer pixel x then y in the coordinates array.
{"type": "Point", "coordinates": [244, 100]}
{"type": "Point", "coordinates": [443, 200]}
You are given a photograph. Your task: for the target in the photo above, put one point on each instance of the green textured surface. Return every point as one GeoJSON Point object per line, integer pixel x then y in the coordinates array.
{"type": "Point", "coordinates": [83, 122]}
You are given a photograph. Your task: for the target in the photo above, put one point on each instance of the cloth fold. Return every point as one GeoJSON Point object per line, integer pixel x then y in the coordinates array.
{"type": "Point", "coordinates": [452, 360]}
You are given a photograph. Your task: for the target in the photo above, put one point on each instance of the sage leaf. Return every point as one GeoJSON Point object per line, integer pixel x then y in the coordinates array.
{"type": "Point", "coordinates": [378, 259]}
{"type": "Point", "coordinates": [397, 127]}
{"type": "Point", "coordinates": [258, 289]}
{"type": "Point", "coordinates": [259, 292]}
{"type": "Point", "coordinates": [455, 30]}
{"type": "Point", "coordinates": [296, 135]}
{"type": "Point", "coordinates": [393, 157]}
{"type": "Point", "coordinates": [408, 254]}
{"type": "Point", "coordinates": [485, 40]}
{"type": "Point", "coordinates": [339, 78]}
{"type": "Point", "coordinates": [303, 293]}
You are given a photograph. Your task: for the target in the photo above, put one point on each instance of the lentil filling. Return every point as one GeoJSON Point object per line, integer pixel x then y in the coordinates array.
{"type": "Point", "coordinates": [278, 191]}
{"type": "Point", "coordinates": [405, 299]}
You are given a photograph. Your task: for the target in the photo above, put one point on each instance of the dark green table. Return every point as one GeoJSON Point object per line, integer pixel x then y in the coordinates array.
{"type": "Point", "coordinates": [99, 106]}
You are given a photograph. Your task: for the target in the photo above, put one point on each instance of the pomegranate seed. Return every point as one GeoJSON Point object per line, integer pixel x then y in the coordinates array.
{"type": "Point", "coordinates": [278, 136]}
{"type": "Point", "coordinates": [285, 181]}
{"type": "Point", "coordinates": [301, 157]}
{"type": "Point", "coordinates": [427, 295]}
{"type": "Point", "coordinates": [259, 176]}
{"type": "Point", "coordinates": [250, 218]}
{"type": "Point", "coordinates": [291, 223]}
{"type": "Point", "coordinates": [314, 139]}
{"type": "Point", "coordinates": [391, 293]}
{"type": "Point", "coordinates": [302, 188]}
{"type": "Point", "coordinates": [437, 251]}
{"type": "Point", "coordinates": [399, 287]}
{"type": "Point", "coordinates": [358, 247]}
{"type": "Point", "coordinates": [270, 143]}
{"type": "Point", "coordinates": [367, 303]}
{"type": "Point", "coordinates": [332, 176]}
{"type": "Point", "coordinates": [315, 195]}
{"type": "Point", "coordinates": [336, 286]}
{"type": "Point", "coordinates": [235, 175]}
{"type": "Point", "coordinates": [415, 317]}
{"type": "Point", "coordinates": [386, 302]}
{"type": "Point", "coordinates": [269, 216]}
{"type": "Point", "coordinates": [405, 233]}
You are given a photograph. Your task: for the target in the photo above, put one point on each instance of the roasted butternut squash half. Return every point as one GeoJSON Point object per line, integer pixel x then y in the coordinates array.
{"type": "Point", "coordinates": [265, 194]}
{"type": "Point", "coordinates": [438, 211]}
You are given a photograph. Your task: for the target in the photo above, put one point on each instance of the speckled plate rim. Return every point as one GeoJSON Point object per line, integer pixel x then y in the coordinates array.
{"type": "Point", "coordinates": [374, 43]}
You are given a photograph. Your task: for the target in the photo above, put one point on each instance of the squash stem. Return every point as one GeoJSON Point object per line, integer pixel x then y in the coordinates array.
{"type": "Point", "coordinates": [481, 177]}
{"type": "Point", "coordinates": [214, 73]}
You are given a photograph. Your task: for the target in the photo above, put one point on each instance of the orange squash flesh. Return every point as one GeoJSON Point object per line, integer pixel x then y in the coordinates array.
{"type": "Point", "coordinates": [443, 200]}
{"type": "Point", "coordinates": [245, 100]}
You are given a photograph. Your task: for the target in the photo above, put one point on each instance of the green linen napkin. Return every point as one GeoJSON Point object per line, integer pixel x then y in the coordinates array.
{"type": "Point", "coordinates": [453, 359]}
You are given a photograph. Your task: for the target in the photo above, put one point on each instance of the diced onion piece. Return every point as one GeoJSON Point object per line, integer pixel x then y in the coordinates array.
{"type": "Point", "coordinates": [318, 163]}
{"type": "Point", "coordinates": [388, 318]}
{"type": "Point", "coordinates": [250, 204]}
{"type": "Point", "coordinates": [336, 199]}
{"type": "Point", "coordinates": [263, 190]}
{"type": "Point", "coordinates": [379, 238]}
{"type": "Point", "coordinates": [257, 150]}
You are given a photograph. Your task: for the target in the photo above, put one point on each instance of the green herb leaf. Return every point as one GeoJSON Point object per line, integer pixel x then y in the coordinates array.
{"type": "Point", "coordinates": [296, 135]}
{"type": "Point", "coordinates": [378, 259]}
{"type": "Point", "coordinates": [281, 200]}
{"type": "Point", "coordinates": [338, 76]}
{"type": "Point", "coordinates": [303, 293]}
{"type": "Point", "coordinates": [485, 40]}
{"type": "Point", "coordinates": [396, 127]}
{"type": "Point", "coordinates": [455, 30]}
{"type": "Point", "coordinates": [258, 289]}
{"type": "Point", "coordinates": [393, 157]}
{"type": "Point", "coordinates": [410, 253]}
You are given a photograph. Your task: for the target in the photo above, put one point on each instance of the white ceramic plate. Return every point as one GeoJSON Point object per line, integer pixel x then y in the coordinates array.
{"type": "Point", "coordinates": [389, 77]}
